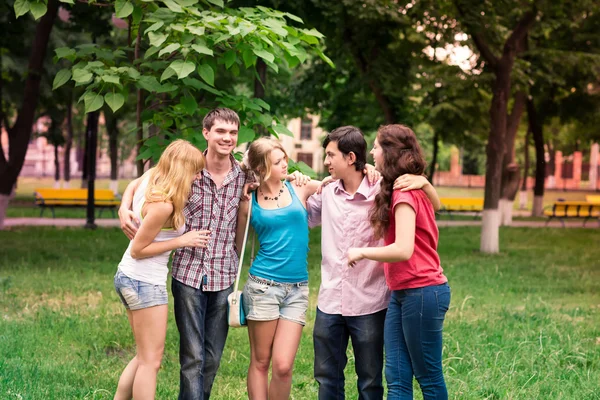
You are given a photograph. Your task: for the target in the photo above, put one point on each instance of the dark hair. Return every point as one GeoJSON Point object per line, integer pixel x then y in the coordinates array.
{"type": "Point", "coordinates": [349, 139]}
{"type": "Point", "coordinates": [224, 114]}
{"type": "Point", "coordinates": [401, 155]}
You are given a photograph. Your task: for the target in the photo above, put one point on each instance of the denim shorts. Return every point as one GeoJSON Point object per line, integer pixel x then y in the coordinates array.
{"type": "Point", "coordinates": [266, 300]}
{"type": "Point", "coordinates": [136, 295]}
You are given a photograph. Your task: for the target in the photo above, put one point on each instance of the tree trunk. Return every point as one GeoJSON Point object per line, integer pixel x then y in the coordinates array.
{"type": "Point", "coordinates": [434, 157]}
{"type": "Point", "coordinates": [536, 126]}
{"type": "Point", "coordinates": [510, 169]}
{"type": "Point", "coordinates": [56, 167]}
{"type": "Point", "coordinates": [138, 112]}
{"type": "Point", "coordinates": [68, 143]}
{"type": "Point", "coordinates": [523, 194]}
{"type": "Point", "coordinates": [20, 133]}
{"type": "Point", "coordinates": [113, 149]}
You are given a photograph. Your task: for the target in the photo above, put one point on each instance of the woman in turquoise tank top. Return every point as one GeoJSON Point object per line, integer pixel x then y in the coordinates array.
{"type": "Point", "coordinates": [276, 293]}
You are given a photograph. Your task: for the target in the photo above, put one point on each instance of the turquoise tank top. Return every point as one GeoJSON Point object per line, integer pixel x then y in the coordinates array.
{"type": "Point", "coordinates": [283, 238]}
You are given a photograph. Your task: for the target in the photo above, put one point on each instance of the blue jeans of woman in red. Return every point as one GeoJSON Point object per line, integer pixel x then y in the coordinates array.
{"type": "Point", "coordinates": [413, 342]}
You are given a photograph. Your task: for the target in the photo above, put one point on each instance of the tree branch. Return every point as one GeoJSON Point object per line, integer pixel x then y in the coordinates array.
{"type": "Point", "coordinates": [518, 34]}
{"type": "Point", "coordinates": [480, 42]}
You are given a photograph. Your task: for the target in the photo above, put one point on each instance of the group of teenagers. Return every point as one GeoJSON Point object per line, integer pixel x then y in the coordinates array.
{"type": "Point", "coordinates": [382, 286]}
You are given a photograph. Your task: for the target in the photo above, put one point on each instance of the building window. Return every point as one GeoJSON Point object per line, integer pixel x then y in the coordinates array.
{"type": "Point", "coordinates": [306, 158]}
{"type": "Point", "coordinates": [306, 129]}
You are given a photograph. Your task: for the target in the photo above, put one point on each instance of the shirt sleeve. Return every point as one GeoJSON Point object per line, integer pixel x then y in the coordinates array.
{"type": "Point", "coordinates": [399, 197]}
{"type": "Point", "coordinates": [313, 206]}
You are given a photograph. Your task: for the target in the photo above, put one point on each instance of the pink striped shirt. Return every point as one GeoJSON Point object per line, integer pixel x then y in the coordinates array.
{"type": "Point", "coordinates": [345, 223]}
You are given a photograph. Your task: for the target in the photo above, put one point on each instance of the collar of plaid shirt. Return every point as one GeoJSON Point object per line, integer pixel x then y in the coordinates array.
{"type": "Point", "coordinates": [214, 267]}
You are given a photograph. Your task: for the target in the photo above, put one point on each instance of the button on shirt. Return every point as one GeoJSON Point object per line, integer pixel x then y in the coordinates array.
{"type": "Point", "coordinates": [345, 223]}
{"type": "Point", "coordinates": [214, 209]}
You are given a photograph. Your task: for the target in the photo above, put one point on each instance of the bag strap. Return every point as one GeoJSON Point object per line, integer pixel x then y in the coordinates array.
{"type": "Point", "coordinates": [241, 262]}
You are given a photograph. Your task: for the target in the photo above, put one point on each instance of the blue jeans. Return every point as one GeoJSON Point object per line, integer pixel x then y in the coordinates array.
{"type": "Point", "coordinates": [330, 336]}
{"type": "Point", "coordinates": [413, 342]}
{"type": "Point", "coordinates": [201, 319]}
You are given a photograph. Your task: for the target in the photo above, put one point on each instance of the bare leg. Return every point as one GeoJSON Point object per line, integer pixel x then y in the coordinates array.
{"type": "Point", "coordinates": [150, 329]}
{"type": "Point", "coordinates": [261, 334]}
{"type": "Point", "coordinates": [285, 347]}
{"type": "Point", "coordinates": [125, 385]}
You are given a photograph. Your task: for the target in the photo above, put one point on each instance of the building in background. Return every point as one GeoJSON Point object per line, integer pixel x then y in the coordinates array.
{"type": "Point", "coordinates": [306, 145]}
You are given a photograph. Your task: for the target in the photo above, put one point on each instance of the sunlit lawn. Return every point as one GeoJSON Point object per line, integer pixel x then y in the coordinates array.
{"type": "Point", "coordinates": [524, 324]}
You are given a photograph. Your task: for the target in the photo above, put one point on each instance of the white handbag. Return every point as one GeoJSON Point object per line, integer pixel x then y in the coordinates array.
{"type": "Point", "coordinates": [235, 309]}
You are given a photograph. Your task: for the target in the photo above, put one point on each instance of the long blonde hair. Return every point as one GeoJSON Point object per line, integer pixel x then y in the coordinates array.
{"type": "Point", "coordinates": [259, 154]}
{"type": "Point", "coordinates": [171, 179]}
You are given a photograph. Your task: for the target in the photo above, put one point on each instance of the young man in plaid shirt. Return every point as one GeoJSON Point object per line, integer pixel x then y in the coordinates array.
{"type": "Point", "coordinates": [204, 277]}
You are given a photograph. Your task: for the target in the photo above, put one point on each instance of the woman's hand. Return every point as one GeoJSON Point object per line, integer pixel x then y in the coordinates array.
{"type": "Point", "coordinates": [408, 182]}
{"type": "Point", "coordinates": [373, 175]}
{"type": "Point", "coordinates": [324, 183]}
{"type": "Point", "coordinates": [354, 255]}
{"type": "Point", "coordinates": [298, 178]}
{"type": "Point", "coordinates": [195, 239]}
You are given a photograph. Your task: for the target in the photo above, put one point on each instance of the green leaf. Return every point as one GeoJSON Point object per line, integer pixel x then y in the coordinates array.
{"type": "Point", "coordinates": [229, 58]}
{"type": "Point", "coordinates": [123, 8]}
{"type": "Point", "coordinates": [151, 51]}
{"type": "Point", "coordinates": [63, 52]}
{"type": "Point", "coordinates": [67, 1]}
{"type": "Point", "coordinates": [207, 73]}
{"type": "Point", "coordinates": [182, 68]}
{"type": "Point", "coordinates": [294, 17]}
{"type": "Point", "coordinates": [114, 100]}
{"type": "Point", "coordinates": [186, 3]}
{"type": "Point", "coordinates": [263, 104]}
{"type": "Point", "coordinates": [310, 39]}
{"type": "Point", "coordinates": [167, 87]}
{"type": "Point", "coordinates": [196, 84]}
{"type": "Point", "coordinates": [149, 83]}
{"type": "Point", "coordinates": [37, 9]}
{"type": "Point", "coordinates": [196, 30]}
{"type": "Point", "coordinates": [93, 101]}
{"type": "Point", "coordinates": [154, 27]}
{"type": "Point", "coordinates": [61, 78]}
{"type": "Point", "coordinates": [325, 58]}
{"type": "Point", "coordinates": [157, 39]}
{"type": "Point", "coordinates": [169, 49]}
{"type": "Point", "coordinates": [173, 6]}
{"type": "Point", "coordinates": [217, 3]}
{"type": "Point", "coordinates": [189, 104]}
{"type": "Point", "coordinates": [265, 55]}
{"type": "Point", "coordinates": [202, 49]}
{"type": "Point", "coordinates": [245, 135]}
{"type": "Point", "coordinates": [21, 7]}
{"type": "Point", "coordinates": [81, 75]}
{"type": "Point", "coordinates": [281, 129]}
{"type": "Point", "coordinates": [314, 32]}
{"type": "Point", "coordinates": [111, 79]}
{"type": "Point", "coordinates": [137, 15]}
{"type": "Point", "coordinates": [133, 73]}
{"type": "Point", "coordinates": [249, 58]}
{"type": "Point", "coordinates": [169, 72]}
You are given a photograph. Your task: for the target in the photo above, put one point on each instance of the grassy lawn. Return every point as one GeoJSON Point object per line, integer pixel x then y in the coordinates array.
{"type": "Point", "coordinates": [524, 324]}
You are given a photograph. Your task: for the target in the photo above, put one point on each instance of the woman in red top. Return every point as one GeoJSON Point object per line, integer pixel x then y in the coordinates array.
{"type": "Point", "coordinates": [420, 291]}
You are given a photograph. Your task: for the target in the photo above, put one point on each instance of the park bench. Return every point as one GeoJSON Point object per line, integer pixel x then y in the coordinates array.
{"type": "Point", "coordinates": [592, 199]}
{"type": "Point", "coordinates": [461, 204]}
{"type": "Point", "coordinates": [573, 209]}
{"type": "Point", "coordinates": [51, 198]}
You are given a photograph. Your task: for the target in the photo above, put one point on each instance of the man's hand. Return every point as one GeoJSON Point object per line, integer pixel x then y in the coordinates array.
{"type": "Point", "coordinates": [373, 175]}
{"type": "Point", "coordinates": [298, 178]}
{"type": "Point", "coordinates": [408, 182]}
{"type": "Point", "coordinates": [354, 255]}
{"type": "Point", "coordinates": [129, 222]}
{"type": "Point", "coordinates": [249, 188]}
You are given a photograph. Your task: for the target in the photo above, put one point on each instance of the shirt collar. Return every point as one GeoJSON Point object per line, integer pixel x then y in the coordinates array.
{"type": "Point", "coordinates": [364, 189]}
{"type": "Point", "coordinates": [235, 168]}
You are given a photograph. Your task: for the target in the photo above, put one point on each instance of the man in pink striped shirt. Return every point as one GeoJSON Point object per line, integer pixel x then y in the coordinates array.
{"type": "Point", "coordinates": [352, 302]}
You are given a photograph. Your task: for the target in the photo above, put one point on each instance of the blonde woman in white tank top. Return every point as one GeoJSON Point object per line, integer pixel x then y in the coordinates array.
{"type": "Point", "coordinates": [141, 277]}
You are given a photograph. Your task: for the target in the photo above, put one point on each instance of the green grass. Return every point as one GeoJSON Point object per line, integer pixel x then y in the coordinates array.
{"type": "Point", "coordinates": [524, 324]}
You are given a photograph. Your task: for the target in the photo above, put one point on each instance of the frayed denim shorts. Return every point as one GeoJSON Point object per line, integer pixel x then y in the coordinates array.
{"type": "Point", "coordinates": [136, 295]}
{"type": "Point", "coordinates": [266, 300]}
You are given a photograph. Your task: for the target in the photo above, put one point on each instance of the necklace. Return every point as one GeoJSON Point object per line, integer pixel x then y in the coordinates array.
{"type": "Point", "coordinates": [275, 198]}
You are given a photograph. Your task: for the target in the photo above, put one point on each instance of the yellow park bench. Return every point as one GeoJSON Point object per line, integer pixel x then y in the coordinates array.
{"type": "Point", "coordinates": [592, 199]}
{"type": "Point", "coordinates": [51, 198]}
{"type": "Point", "coordinates": [573, 209]}
{"type": "Point", "coordinates": [461, 204]}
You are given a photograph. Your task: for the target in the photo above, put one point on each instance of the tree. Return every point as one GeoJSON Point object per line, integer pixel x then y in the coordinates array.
{"type": "Point", "coordinates": [20, 131]}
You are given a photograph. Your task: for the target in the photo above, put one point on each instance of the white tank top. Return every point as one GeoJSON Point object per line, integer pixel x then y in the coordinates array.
{"type": "Point", "coordinates": [152, 270]}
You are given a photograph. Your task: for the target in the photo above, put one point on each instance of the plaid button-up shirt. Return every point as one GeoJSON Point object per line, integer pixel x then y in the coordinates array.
{"type": "Point", "coordinates": [214, 209]}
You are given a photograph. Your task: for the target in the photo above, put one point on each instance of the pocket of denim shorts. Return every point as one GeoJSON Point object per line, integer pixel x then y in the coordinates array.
{"type": "Point", "coordinates": [443, 302]}
{"type": "Point", "coordinates": [254, 288]}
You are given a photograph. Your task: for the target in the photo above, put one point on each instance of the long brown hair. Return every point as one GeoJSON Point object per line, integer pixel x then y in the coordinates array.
{"type": "Point", "coordinates": [401, 155]}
